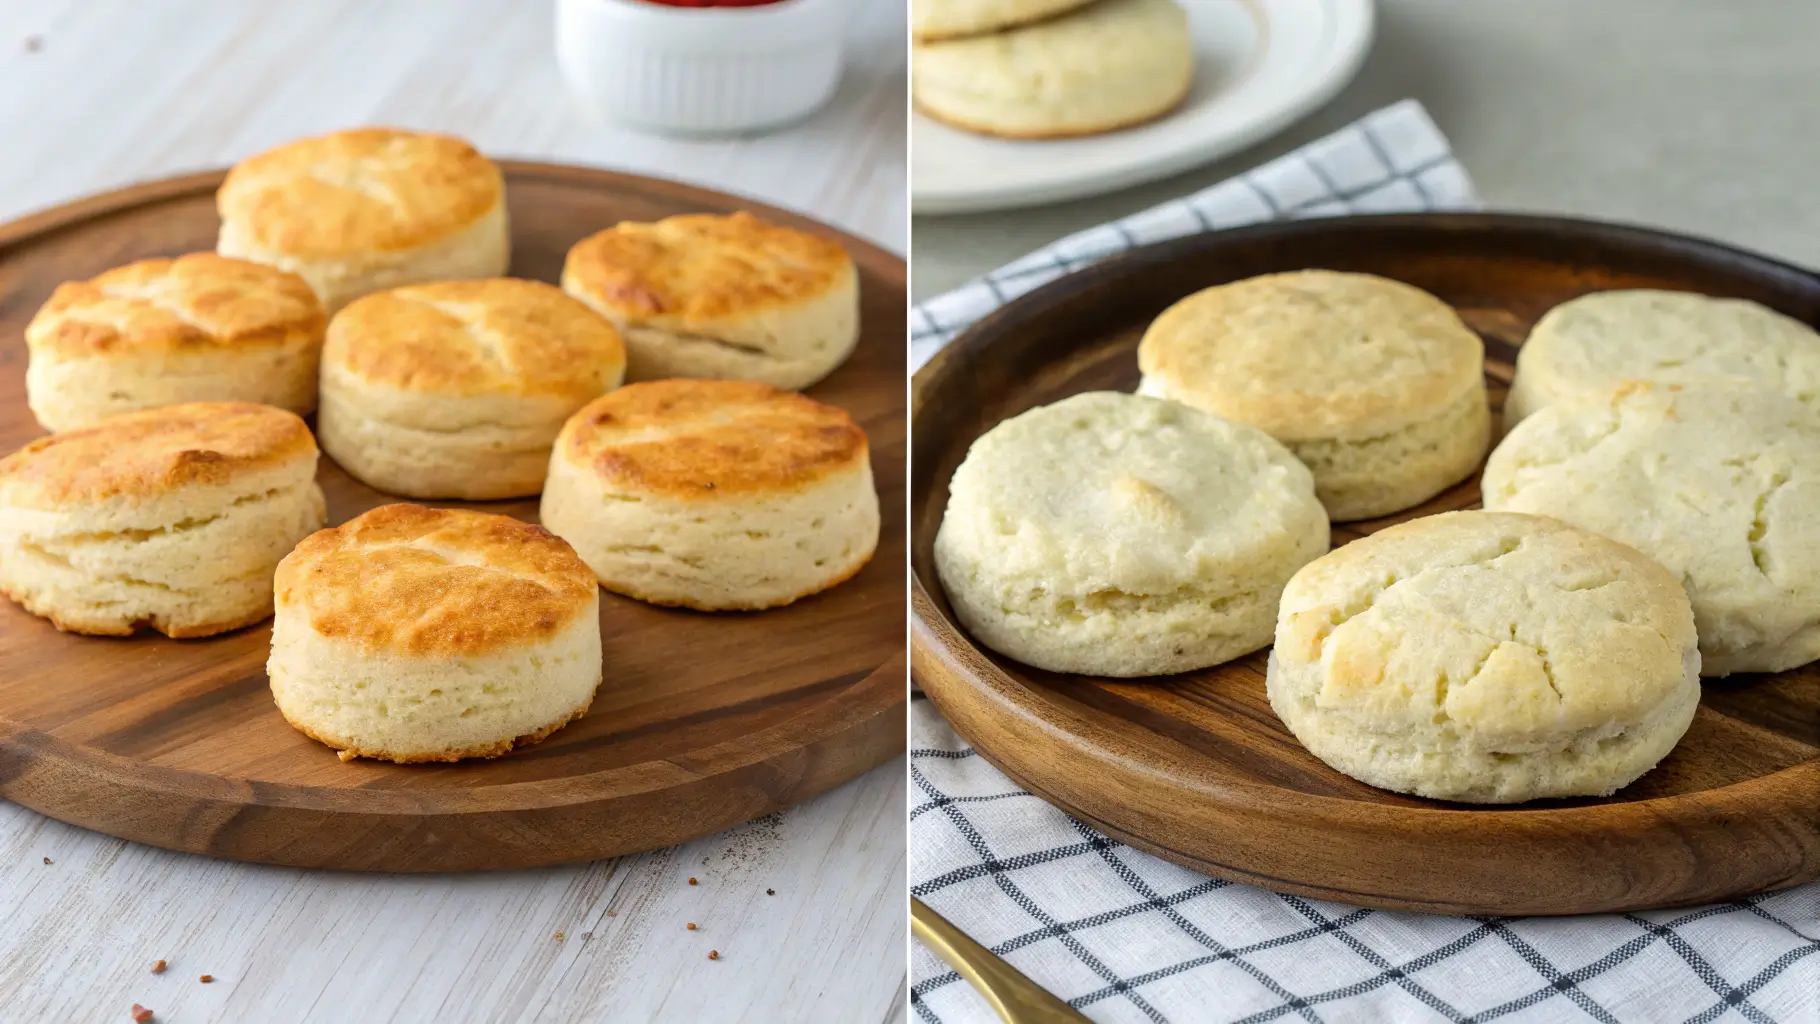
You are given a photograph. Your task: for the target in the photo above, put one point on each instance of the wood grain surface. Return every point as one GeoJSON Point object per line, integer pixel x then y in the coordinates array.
{"type": "Point", "coordinates": [702, 722]}
{"type": "Point", "coordinates": [1197, 768]}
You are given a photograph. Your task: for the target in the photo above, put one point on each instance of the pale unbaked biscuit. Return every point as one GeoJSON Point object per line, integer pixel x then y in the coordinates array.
{"type": "Point", "coordinates": [713, 495]}
{"type": "Point", "coordinates": [946, 19]}
{"type": "Point", "coordinates": [1375, 385]}
{"type": "Point", "coordinates": [1114, 535]}
{"type": "Point", "coordinates": [458, 389]}
{"type": "Point", "coordinates": [1109, 65]}
{"type": "Point", "coordinates": [1486, 657]}
{"type": "Point", "coordinates": [1718, 482]}
{"type": "Point", "coordinates": [726, 297]}
{"type": "Point", "coordinates": [358, 211]}
{"type": "Point", "coordinates": [198, 328]}
{"type": "Point", "coordinates": [1600, 340]}
{"type": "Point", "coordinates": [170, 519]}
{"type": "Point", "coordinates": [414, 634]}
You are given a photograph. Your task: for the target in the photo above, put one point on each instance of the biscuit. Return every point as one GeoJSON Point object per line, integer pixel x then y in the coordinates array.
{"type": "Point", "coordinates": [457, 389]}
{"type": "Point", "coordinates": [363, 210]}
{"type": "Point", "coordinates": [1377, 386]}
{"type": "Point", "coordinates": [724, 297]}
{"type": "Point", "coordinates": [1486, 657]}
{"type": "Point", "coordinates": [198, 328]}
{"type": "Point", "coordinates": [414, 634]}
{"type": "Point", "coordinates": [947, 19]}
{"type": "Point", "coordinates": [1115, 535]}
{"type": "Point", "coordinates": [1109, 65]}
{"type": "Point", "coordinates": [1718, 482]}
{"type": "Point", "coordinates": [713, 495]}
{"type": "Point", "coordinates": [1599, 340]}
{"type": "Point", "coordinates": [170, 519]}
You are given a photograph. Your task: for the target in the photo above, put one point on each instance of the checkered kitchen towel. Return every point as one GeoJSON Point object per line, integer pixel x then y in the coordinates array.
{"type": "Point", "coordinates": [1124, 936]}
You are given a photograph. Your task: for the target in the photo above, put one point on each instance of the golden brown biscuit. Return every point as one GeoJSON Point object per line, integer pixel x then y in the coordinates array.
{"type": "Point", "coordinates": [713, 495]}
{"type": "Point", "coordinates": [356, 211]}
{"type": "Point", "coordinates": [457, 389]}
{"type": "Point", "coordinates": [158, 332]}
{"type": "Point", "coordinates": [704, 295]}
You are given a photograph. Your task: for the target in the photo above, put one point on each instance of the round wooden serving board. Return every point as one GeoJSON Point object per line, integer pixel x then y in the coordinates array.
{"type": "Point", "coordinates": [703, 721]}
{"type": "Point", "coordinates": [1196, 768]}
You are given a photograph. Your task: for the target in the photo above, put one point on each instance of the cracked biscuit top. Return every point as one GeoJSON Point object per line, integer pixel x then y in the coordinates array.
{"type": "Point", "coordinates": [193, 303]}
{"type": "Point", "coordinates": [1519, 630]}
{"type": "Point", "coordinates": [357, 191]}
{"type": "Point", "coordinates": [1718, 482]}
{"type": "Point", "coordinates": [495, 336]}
{"type": "Point", "coordinates": [141, 456]}
{"type": "Point", "coordinates": [427, 582]}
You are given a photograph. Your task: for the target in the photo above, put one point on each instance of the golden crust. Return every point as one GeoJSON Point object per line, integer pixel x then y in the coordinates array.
{"type": "Point", "coordinates": [478, 337]}
{"type": "Point", "coordinates": [708, 439]}
{"type": "Point", "coordinates": [422, 581]}
{"type": "Point", "coordinates": [139, 455]}
{"type": "Point", "coordinates": [698, 268]}
{"type": "Point", "coordinates": [348, 751]}
{"type": "Point", "coordinates": [198, 301]}
{"type": "Point", "coordinates": [1315, 354]}
{"type": "Point", "coordinates": [358, 191]}
{"type": "Point", "coordinates": [113, 627]}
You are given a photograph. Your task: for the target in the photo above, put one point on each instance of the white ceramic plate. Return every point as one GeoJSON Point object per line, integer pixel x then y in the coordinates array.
{"type": "Point", "coordinates": [1261, 65]}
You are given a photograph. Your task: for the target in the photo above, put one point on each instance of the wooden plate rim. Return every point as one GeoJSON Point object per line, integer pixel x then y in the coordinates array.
{"type": "Point", "coordinates": [939, 647]}
{"type": "Point", "coordinates": [856, 705]}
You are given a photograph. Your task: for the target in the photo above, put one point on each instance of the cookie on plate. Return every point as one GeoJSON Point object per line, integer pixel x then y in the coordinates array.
{"type": "Point", "coordinates": [1117, 535]}
{"type": "Point", "coordinates": [170, 519]}
{"type": "Point", "coordinates": [1109, 65]}
{"type": "Point", "coordinates": [415, 634]}
{"type": "Point", "coordinates": [947, 19]}
{"type": "Point", "coordinates": [1600, 340]}
{"type": "Point", "coordinates": [362, 210]}
{"type": "Point", "coordinates": [714, 495]}
{"type": "Point", "coordinates": [1718, 482]}
{"type": "Point", "coordinates": [1486, 657]}
{"type": "Point", "coordinates": [457, 389]}
{"type": "Point", "coordinates": [724, 297]}
{"type": "Point", "coordinates": [198, 328]}
{"type": "Point", "coordinates": [1377, 386]}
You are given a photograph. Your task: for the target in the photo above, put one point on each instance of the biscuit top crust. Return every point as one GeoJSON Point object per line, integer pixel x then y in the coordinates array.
{"type": "Point", "coordinates": [465, 338]}
{"type": "Point", "coordinates": [1518, 630]}
{"type": "Point", "coordinates": [405, 579]}
{"type": "Point", "coordinates": [1111, 494]}
{"type": "Point", "coordinates": [1719, 482]}
{"type": "Point", "coordinates": [357, 191]}
{"type": "Point", "coordinates": [1045, 59]}
{"type": "Point", "coordinates": [1314, 354]}
{"type": "Point", "coordinates": [695, 269]}
{"type": "Point", "coordinates": [705, 440]}
{"type": "Point", "coordinates": [192, 303]}
{"type": "Point", "coordinates": [1601, 339]}
{"type": "Point", "coordinates": [139, 456]}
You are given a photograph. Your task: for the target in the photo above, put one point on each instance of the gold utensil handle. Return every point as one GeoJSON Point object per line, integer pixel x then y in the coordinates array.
{"type": "Point", "coordinates": [1017, 999]}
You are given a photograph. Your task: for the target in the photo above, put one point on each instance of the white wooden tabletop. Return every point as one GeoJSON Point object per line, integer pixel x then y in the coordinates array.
{"type": "Point", "coordinates": [96, 94]}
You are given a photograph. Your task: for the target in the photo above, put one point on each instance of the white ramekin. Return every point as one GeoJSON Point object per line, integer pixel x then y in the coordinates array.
{"type": "Point", "coordinates": [701, 71]}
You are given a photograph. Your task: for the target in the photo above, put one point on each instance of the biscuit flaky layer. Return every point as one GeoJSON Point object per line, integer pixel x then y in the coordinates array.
{"type": "Point", "coordinates": [171, 519]}
{"type": "Point", "coordinates": [1121, 535]}
{"type": "Point", "coordinates": [425, 583]}
{"type": "Point", "coordinates": [714, 495]}
{"type": "Point", "coordinates": [1718, 482]}
{"type": "Point", "coordinates": [706, 295]}
{"type": "Point", "coordinates": [1108, 65]}
{"type": "Point", "coordinates": [158, 332]}
{"type": "Point", "coordinates": [1600, 340]}
{"type": "Point", "coordinates": [1486, 657]}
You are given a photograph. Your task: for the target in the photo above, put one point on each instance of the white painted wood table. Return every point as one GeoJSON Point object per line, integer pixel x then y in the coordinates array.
{"type": "Point", "coordinates": [96, 94]}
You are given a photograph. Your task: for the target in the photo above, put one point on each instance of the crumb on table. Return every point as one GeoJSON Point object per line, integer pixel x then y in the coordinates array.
{"type": "Point", "coordinates": [141, 1014]}
{"type": "Point", "coordinates": [714, 954]}
{"type": "Point", "coordinates": [207, 979]}
{"type": "Point", "coordinates": [159, 966]}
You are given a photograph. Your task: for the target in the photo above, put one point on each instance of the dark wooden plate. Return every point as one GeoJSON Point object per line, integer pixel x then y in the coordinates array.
{"type": "Point", "coordinates": [1197, 769]}
{"type": "Point", "coordinates": [703, 721]}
